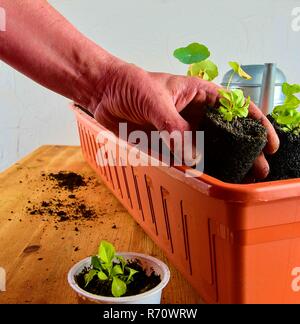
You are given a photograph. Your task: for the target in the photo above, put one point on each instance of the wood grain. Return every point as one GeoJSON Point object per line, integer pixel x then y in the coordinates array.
{"type": "Point", "coordinates": [37, 253]}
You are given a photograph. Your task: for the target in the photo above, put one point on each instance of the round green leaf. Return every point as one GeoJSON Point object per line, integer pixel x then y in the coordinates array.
{"type": "Point", "coordinates": [118, 287]}
{"type": "Point", "coordinates": [193, 53]}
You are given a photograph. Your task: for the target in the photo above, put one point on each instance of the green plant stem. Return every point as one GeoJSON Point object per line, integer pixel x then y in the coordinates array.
{"type": "Point", "coordinates": [230, 80]}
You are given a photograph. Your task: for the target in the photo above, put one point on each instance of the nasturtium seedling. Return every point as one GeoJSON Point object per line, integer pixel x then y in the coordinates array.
{"type": "Point", "coordinates": [232, 102]}
{"type": "Point", "coordinates": [196, 55]}
{"type": "Point", "coordinates": [108, 266]}
{"type": "Point", "coordinates": [287, 114]}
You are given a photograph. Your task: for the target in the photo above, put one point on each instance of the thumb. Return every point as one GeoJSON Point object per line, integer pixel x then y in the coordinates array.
{"type": "Point", "coordinates": [177, 134]}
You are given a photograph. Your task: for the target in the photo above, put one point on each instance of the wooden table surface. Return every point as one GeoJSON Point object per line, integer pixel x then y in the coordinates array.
{"type": "Point", "coordinates": [36, 251]}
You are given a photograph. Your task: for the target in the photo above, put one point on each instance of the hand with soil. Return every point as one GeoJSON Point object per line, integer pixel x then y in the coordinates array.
{"type": "Point", "coordinates": [60, 58]}
{"type": "Point", "coordinates": [168, 102]}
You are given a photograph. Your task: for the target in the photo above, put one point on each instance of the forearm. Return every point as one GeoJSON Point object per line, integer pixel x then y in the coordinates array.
{"type": "Point", "coordinates": [42, 44]}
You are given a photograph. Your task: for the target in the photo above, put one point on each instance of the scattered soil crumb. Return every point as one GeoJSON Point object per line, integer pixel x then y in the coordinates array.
{"type": "Point", "coordinates": [64, 207]}
{"type": "Point", "coordinates": [68, 180]}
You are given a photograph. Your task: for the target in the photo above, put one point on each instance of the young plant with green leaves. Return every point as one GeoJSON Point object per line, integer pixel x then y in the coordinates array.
{"type": "Point", "coordinates": [287, 114]}
{"type": "Point", "coordinates": [108, 266]}
{"type": "Point", "coordinates": [196, 56]}
{"type": "Point", "coordinates": [232, 102]}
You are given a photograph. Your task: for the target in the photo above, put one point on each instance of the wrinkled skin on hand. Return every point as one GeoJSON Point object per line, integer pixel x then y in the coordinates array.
{"type": "Point", "coordinates": [168, 102]}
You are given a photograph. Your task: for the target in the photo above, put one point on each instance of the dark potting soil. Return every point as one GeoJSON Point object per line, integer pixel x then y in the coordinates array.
{"type": "Point", "coordinates": [63, 210]}
{"type": "Point", "coordinates": [231, 147]}
{"type": "Point", "coordinates": [66, 209]}
{"type": "Point", "coordinates": [68, 180]}
{"type": "Point", "coordinates": [285, 163]}
{"type": "Point", "coordinates": [141, 283]}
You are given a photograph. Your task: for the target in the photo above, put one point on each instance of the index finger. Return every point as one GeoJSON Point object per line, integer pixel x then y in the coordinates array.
{"type": "Point", "coordinates": [273, 140]}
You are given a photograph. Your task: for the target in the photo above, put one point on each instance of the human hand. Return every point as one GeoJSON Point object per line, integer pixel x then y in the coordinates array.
{"type": "Point", "coordinates": [167, 102]}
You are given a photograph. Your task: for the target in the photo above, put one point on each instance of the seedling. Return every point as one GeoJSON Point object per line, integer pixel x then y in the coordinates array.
{"type": "Point", "coordinates": [196, 55]}
{"type": "Point", "coordinates": [237, 69]}
{"type": "Point", "coordinates": [111, 268]}
{"type": "Point", "coordinates": [287, 115]}
{"type": "Point", "coordinates": [232, 102]}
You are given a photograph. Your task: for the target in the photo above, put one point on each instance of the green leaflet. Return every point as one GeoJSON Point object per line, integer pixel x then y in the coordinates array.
{"type": "Point", "coordinates": [132, 272]}
{"type": "Point", "coordinates": [118, 287]}
{"type": "Point", "coordinates": [192, 53]}
{"type": "Point", "coordinates": [290, 89]}
{"type": "Point", "coordinates": [89, 276]}
{"type": "Point", "coordinates": [117, 270]}
{"type": "Point", "coordinates": [287, 114]}
{"type": "Point", "coordinates": [106, 252]}
{"type": "Point", "coordinates": [206, 70]}
{"type": "Point", "coordinates": [102, 275]}
{"type": "Point", "coordinates": [237, 69]}
{"type": "Point", "coordinates": [96, 262]}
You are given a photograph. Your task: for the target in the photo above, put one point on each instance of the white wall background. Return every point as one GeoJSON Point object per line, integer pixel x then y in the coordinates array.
{"type": "Point", "coordinates": [146, 32]}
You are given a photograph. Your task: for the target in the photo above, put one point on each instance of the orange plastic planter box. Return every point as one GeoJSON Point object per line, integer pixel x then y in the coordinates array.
{"type": "Point", "coordinates": [234, 243]}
